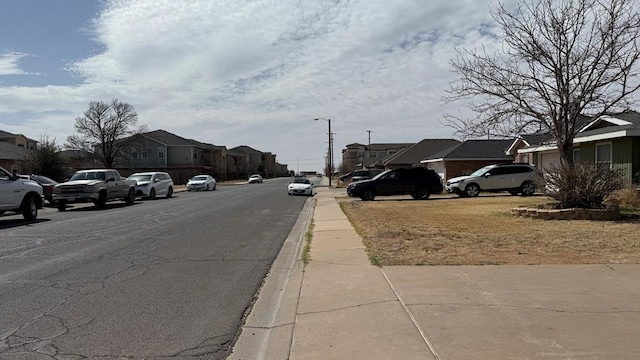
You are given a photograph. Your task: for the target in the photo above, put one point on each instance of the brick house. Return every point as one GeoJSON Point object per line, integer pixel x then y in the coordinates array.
{"type": "Point", "coordinates": [464, 158]}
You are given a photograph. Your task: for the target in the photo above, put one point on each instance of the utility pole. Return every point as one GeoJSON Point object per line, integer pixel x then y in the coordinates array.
{"type": "Point", "coordinates": [368, 149]}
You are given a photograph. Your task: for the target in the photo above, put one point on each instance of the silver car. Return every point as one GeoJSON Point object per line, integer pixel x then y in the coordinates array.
{"type": "Point", "coordinates": [514, 178]}
{"type": "Point", "coordinates": [201, 182]}
{"type": "Point", "coordinates": [152, 184]}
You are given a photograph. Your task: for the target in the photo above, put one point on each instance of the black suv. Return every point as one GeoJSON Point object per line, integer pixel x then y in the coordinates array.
{"type": "Point", "coordinates": [417, 182]}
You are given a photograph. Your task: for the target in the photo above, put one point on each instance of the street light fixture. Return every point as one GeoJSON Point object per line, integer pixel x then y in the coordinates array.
{"type": "Point", "coordinates": [330, 149]}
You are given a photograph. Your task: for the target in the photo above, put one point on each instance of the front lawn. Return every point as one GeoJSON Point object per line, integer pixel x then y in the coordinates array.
{"type": "Point", "coordinates": [448, 230]}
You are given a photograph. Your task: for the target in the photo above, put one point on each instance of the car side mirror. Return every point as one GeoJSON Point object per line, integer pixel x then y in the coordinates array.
{"type": "Point", "coordinates": [111, 179]}
{"type": "Point", "coordinates": [487, 175]}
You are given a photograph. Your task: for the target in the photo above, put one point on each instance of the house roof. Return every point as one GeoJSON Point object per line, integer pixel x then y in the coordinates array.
{"type": "Point", "coordinates": [474, 150]}
{"type": "Point", "coordinates": [626, 123]}
{"type": "Point", "coordinates": [243, 150]}
{"type": "Point", "coordinates": [416, 152]}
{"type": "Point", "coordinates": [167, 138]}
{"type": "Point", "coordinates": [9, 151]}
{"type": "Point", "coordinates": [6, 134]}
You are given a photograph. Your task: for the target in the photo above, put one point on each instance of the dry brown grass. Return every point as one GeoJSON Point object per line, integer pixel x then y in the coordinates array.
{"type": "Point", "coordinates": [448, 230]}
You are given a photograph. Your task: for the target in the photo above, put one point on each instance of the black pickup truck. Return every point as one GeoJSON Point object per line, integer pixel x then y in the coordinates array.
{"type": "Point", "coordinates": [418, 182]}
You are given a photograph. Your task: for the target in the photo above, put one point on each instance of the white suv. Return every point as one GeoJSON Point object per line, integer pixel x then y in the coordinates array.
{"type": "Point", "coordinates": [152, 184]}
{"type": "Point", "coordinates": [19, 195]}
{"type": "Point", "coordinates": [514, 178]}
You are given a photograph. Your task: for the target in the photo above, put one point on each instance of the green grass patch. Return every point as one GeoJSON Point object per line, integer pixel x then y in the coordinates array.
{"type": "Point", "coordinates": [308, 237]}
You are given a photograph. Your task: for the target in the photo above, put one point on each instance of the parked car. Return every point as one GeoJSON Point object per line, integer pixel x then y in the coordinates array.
{"type": "Point", "coordinates": [255, 179]}
{"type": "Point", "coordinates": [418, 182]}
{"type": "Point", "coordinates": [514, 178]}
{"type": "Point", "coordinates": [19, 195]}
{"type": "Point", "coordinates": [300, 186]}
{"type": "Point", "coordinates": [96, 185]}
{"type": "Point", "coordinates": [47, 185]}
{"type": "Point", "coordinates": [201, 182]}
{"type": "Point", "coordinates": [364, 174]}
{"type": "Point", "coordinates": [152, 184]}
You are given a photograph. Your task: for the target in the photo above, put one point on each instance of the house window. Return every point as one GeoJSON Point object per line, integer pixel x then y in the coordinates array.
{"type": "Point", "coordinates": [576, 155]}
{"type": "Point", "coordinates": [144, 153]}
{"type": "Point", "coordinates": [134, 152]}
{"type": "Point", "coordinates": [603, 154]}
{"type": "Point", "coordinates": [160, 153]}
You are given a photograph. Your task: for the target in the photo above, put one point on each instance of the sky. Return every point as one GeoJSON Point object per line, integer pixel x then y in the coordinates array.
{"type": "Point", "coordinates": [241, 72]}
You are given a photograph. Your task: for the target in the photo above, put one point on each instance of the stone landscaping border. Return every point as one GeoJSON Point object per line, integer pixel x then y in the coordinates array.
{"type": "Point", "coordinates": [540, 212]}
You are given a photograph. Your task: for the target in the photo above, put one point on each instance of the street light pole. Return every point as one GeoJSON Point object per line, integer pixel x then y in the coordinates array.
{"type": "Point", "coordinates": [330, 149]}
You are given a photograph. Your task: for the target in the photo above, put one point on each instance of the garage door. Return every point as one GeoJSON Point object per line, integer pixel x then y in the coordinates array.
{"type": "Point", "coordinates": [549, 159]}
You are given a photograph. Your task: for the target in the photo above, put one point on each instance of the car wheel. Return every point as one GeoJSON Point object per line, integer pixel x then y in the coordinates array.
{"type": "Point", "coordinates": [102, 199]}
{"type": "Point", "coordinates": [30, 208]}
{"type": "Point", "coordinates": [152, 194]}
{"type": "Point", "coordinates": [528, 188]}
{"type": "Point", "coordinates": [422, 194]}
{"type": "Point", "coordinates": [131, 197]}
{"type": "Point", "coordinates": [62, 205]}
{"type": "Point", "coordinates": [214, 186]}
{"type": "Point", "coordinates": [170, 192]}
{"type": "Point", "coordinates": [207, 189]}
{"type": "Point", "coordinates": [472, 190]}
{"type": "Point", "coordinates": [367, 195]}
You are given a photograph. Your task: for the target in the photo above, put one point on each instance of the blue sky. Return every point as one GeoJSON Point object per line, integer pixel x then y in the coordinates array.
{"type": "Point", "coordinates": [239, 72]}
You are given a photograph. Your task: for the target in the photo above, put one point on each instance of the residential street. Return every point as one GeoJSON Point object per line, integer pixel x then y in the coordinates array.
{"type": "Point", "coordinates": [163, 278]}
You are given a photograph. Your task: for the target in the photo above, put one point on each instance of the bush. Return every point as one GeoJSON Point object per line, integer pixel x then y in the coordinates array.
{"type": "Point", "coordinates": [582, 185]}
{"type": "Point", "coordinates": [628, 198]}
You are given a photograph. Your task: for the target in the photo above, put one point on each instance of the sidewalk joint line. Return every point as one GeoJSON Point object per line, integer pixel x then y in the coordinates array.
{"type": "Point", "coordinates": [413, 319]}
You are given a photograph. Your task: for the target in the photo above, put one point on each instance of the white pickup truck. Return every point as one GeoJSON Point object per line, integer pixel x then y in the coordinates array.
{"type": "Point", "coordinates": [19, 195]}
{"type": "Point", "coordinates": [98, 186]}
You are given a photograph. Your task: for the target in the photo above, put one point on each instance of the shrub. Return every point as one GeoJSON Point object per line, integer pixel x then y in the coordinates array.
{"type": "Point", "coordinates": [581, 185]}
{"type": "Point", "coordinates": [625, 198]}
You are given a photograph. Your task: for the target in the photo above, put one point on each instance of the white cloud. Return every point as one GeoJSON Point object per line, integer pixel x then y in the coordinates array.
{"type": "Point", "coordinates": [233, 72]}
{"type": "Point", "coordinates": [9, 63]}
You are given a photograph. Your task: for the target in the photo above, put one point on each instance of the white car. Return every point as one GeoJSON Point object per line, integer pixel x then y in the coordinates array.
{"type": "Point", "coordinates": [152, 184]}
{"type": "Point", "coordinates": [514, 178]}
{"type": "Point", "coordinates": [255, 179]}
{"type": "Point", "coordinates": [19, 195]}
{"type": "Point", "coordinates": [201, 182]}
{"type": "Point", "coordinates": [300, 186]}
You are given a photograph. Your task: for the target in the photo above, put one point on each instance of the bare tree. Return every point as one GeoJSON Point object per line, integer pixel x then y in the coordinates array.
{"type": "Point", "coordinates": [45, 159]}
{"type": "Point", "coordinates": [104, 128]}
{"type": "Point", "coordinates": [560, 60]}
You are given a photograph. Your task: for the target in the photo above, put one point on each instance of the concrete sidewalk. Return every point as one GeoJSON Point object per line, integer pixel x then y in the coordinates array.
{"type": "Point", "coordinates": [339, 306]}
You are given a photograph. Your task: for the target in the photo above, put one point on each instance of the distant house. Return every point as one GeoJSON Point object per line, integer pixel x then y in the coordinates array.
{"type": "Point", "coordinates": [181, 157]}
{"type": "Point", "coordinates": [13, 149]}
{"type": "Point", "coordinates": [11, 156]}
{"type": "Point", "coordinates": [358, 156]}
{"type": "Point", "coordinates": [411, 156]}
{"type": "Point", "coordinates": [612, 140]}
{"type": "Point", "coordinates": [245, 160]}
{"type": "Point", "coordinates": [464, 158]}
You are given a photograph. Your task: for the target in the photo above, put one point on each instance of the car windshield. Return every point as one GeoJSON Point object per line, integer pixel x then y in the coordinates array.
{"type": "Point", "coordinates": [140, 177]}
{"type": "Point", "coordinates": [481, 171]}
{"type": "Point", "coordinates": [89, 175]}
{"type": "Point", "coordinates": [301, 181]}
{"type": "Point", "coordinates": [201, 177]}
{"type": "Point", "coordinates": [254, 176]}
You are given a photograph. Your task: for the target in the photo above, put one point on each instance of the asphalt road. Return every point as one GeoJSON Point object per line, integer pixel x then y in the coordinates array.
{"type": "Point", "coordinates": [162, 278]}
